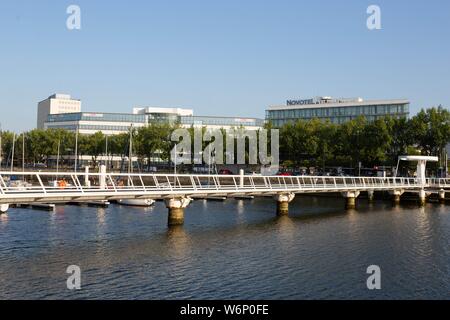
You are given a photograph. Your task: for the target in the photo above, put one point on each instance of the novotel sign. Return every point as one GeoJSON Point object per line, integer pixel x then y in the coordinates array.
{"type": "Point", "coordinates": [300, 102]}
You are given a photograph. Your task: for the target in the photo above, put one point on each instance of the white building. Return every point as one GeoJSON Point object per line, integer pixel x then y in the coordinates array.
{"type": "Point", "coordinates": [335, 110]}
{"type": "Point", "coordinates": [186, 118]}
{"type": "Point", "coordinates": [164, 111]}
{"type": "Point", "coordinates": [56, 104]}
{"type": "Point", "coordinates": [60, 111]}
{"type": "Point", "coordinates": [116, 123]}
{"type": "Point", "coordinates": [92, 122]}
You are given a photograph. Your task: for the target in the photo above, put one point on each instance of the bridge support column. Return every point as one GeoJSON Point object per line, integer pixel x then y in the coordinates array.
{"type": "Point", "coordinates": [396, 194]}
{"type": "Point", "coordinates": [350, 199]}
{"type": "Point", "coordinates": [370, 195]}
{"type": "Point", "coordinates": [283, 200]}
{"type": "Point", "coordinates": [422, 197]}
{"type": "Point", "coordinates": [176, 208]}
{"type": "Point", "coordinates": [4, 208]}
{"type": "Point", "coordinates": [442, 196]}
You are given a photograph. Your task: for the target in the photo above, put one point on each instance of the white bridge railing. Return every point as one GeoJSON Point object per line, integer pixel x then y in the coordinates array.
{"type": "Point", "coordinates": [41, 186]}
{"type": "Point", "coordinates": [441, 183]}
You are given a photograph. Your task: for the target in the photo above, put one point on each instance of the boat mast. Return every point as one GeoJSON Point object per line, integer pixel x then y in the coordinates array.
{"type": "Point", "coordinates": [106, 152]}
{"type": "Point", "coordinates": [130, 151]}
{"type": "Point", "coordinates": [57, 158]}
{"type": "Point", "coordinates": [23, 154]}
{"type": "Point", "coordinates": [12, 153]}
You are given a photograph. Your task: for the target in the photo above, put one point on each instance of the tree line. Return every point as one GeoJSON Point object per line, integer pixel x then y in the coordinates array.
{"type": "Point", "coordinates": [303, 143]}
{"type": "Point", "coordinates": [377, 143]}
{"type": "Point", "coordinates": [39, 146]}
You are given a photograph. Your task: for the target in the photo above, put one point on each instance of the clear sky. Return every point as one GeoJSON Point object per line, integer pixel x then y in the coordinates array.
{"type": "Point", "coordinates": [231, 58]}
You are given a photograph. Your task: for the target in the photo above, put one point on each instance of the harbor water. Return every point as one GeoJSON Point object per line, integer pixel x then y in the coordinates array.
{"type": "Point", "coordinates": [233, 249]}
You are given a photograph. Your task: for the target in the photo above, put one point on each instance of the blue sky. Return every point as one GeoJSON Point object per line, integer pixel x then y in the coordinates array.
{"type": "Point", "coordinates": [231, 58]}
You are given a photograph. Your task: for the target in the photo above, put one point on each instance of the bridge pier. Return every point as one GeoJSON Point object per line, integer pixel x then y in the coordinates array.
{"type": "Point", "coordinates": [442, 196]}
{"type": "Point", "coordinates": [176, 208]}
{"type": "Point", "coordinates": [422, 198]}
{"type": "Point", "coordinates": [283, 200]}
{"type": "Point", "coordinates": [396, 194]}
{"type": "Point", "coordinates": [4, 208]}
{"type": "Point", "coordinates": [350, 199]}
{"type": "Point", "coordinates": [370, 195]}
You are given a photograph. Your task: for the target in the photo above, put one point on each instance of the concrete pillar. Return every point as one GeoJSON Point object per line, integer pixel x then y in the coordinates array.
{"type": "Point", "coordinates": [283, 200]}
{"type": "Point", "coordinates": [442, 196]}
{"type": "Point", "coordinates": [370, 195]}
{"type": "Point", "coordinates": [350, 197]}
{"type": "Point", "coordinates": [396, 194]}
{"type": "Point", "coordinates": [176, 208]}
{"type": "Point", "coordinates": [4, 208]}
{"type": "Point", "coordinates": [422, 197]}
{"type": "Point", "coordinates": [421, 178]}
{"type": "Point", "coordinates": [102, 181]}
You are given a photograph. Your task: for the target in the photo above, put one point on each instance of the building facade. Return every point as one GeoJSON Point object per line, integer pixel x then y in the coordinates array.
{"type": "Point", "coordinates": [92, 122]}
{"type": "Point", "coordinates": [116, 123]}
{"type": "Point", "coordinates": [186, 119]}
{"type": "Point", "coordinates": [56, 104]}
{"type": "Point", "coordinates": [335, 110]}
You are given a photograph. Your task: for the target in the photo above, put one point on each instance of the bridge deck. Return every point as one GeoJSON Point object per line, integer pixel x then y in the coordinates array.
{"type": "Point", "coordinates": [49, 187]}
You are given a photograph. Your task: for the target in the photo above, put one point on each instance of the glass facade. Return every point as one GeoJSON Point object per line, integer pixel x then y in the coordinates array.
{"type": "Point", "coordinates": [95, 116]}
{"type": "Point", "coordinates": [102, 121]}
{"type": "Point", "coordinates": [163, 117]}
{"type": "Point", "coordinates": [337, 114]}
{"type": "Point", "coordinates": [220, 121]}
{"type": "Point", "coordinates": [91, 127]}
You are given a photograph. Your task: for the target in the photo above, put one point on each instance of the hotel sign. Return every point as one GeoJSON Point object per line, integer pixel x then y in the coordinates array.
{"type": "Point", "coordinates": [300, 102]}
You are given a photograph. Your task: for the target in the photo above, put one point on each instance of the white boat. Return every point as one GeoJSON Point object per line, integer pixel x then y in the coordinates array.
{"type": "Point", "coordinates": [19, 185]}
{"type": "Point", "coordinates": [137, 202]}
{"type": "Point", "coordinates": [134, 202]}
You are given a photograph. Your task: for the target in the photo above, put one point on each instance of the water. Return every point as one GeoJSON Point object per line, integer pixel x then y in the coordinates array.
{"type": "Point", "coordinates": [228, 250]}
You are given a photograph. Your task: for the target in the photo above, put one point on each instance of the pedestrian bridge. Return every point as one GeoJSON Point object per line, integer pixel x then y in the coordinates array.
{"type": "Point", "coordinates": [51, 187]}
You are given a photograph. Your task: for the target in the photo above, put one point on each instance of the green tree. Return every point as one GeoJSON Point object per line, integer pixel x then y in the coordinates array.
{"type": "Point", "coordinates": [431, 130]}
{"type": "Point", "coordinates": [154, 139]}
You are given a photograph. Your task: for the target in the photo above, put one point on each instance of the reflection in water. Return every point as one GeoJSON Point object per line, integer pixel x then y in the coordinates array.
{"type": "Point", "coordinates": [396, 208]}
{"type": "Point", "coordinates": [60, 210]}
{"type": "Point", "coordinates": [286, 229]}
{"type": "Point", "coordinates": [228, 250]}
{"type": "Point", "coordinates": [178, 241]}
{"type": "Point", "coordinates": [101, 215]}
{"type": "Point", "coordinates": [240, 207]}
{"type": "Point", "coordinates": [423, 231]}
{"type": "Point", "coordinates": [4, 219]}
{"type": "Point", "coordinates": [352, 214]}
{"type": "Point", "coordinates": [443, 208]}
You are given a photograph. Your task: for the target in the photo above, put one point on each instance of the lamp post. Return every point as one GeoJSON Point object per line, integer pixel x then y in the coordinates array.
{"type": "Point", "coordinates": [76, 149]}
{"type": "Point", "coordinates": [175, 165]}
{"type": "Point", "coordinates": [106, 151]}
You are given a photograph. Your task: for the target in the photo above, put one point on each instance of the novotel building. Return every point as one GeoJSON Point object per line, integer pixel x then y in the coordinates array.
{"type": "Point", "coordinates": [336, 110]}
